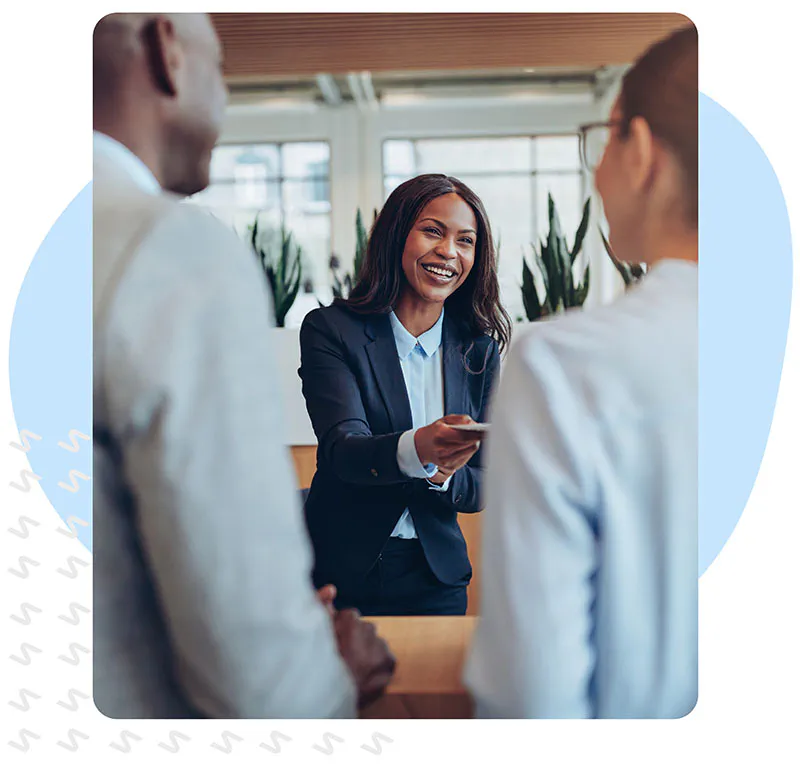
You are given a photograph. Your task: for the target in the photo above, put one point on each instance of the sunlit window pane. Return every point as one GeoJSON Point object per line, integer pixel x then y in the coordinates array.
{"type": "Point", "coordinates": [398, 158]}
{"type": "Point", "coordinates": [556, 153]}
{"type": "Point", "coordinates": [512, 176]}
{"type": "Point", "coordinates": [305, 159]}
{"type": "Point", "coordinates": [464, 156]}
{"type": "Point", "coordinates": [228, 160]}
{"type": "Point", "coordinates": [287, 186]}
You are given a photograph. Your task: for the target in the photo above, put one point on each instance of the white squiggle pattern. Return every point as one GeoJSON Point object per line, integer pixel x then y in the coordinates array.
{"type": "Point", "coordinates": [24, 572]}
{"type": "Point", "coordinates": [124, 744]}
{"type": "Point", "coordinates": [376, 748]}
{"type": "Point", "coordinates": [326, 739]}
{"type": "Point", "coordinates": [74, 619]}
{"type": "Point", "coordinates": [73, 486]}
{"type": "Point", "coordinates": [74, 659]}
{"type": "Point", "coordinates": [73, 696]}
{"type": "Point", "coordinates": [25, 476]}
{"type": "Point", "coordinates": [173, 746]}
{"type": "Point", "coordinates": [275, 747]}
{"type": "Point", "coordinates": [24, 745]}
{"type": "Point", "coordinates": [74, 446]}
{"type": "Point", "coordinates": [226, 736]}
{"type": "Point", "coordinates": [26, 649]}
{"type": "Point", "coordinates": [24, 700]}
{"type": "Point", "coordinates": [72, 561]}
{"type": "Point", "coordinates": [72, 734]}
{"type": "Point", "coordinates": [73, 530]}
{"type": "Point", "coordinates": [25, 609]}
{"type": "Point", "coordinates": [25, 443]}
{"type": "Point", "coordinates": [23, 530]}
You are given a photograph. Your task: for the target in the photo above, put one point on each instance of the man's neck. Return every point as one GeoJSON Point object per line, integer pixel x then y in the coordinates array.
{"type": "Point", "coordinates": [120, 130]}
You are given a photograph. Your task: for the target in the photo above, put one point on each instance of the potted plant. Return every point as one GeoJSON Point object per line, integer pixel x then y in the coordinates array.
{"type": "Point", "coordinates": [343, 285]}
{"type": "Point", "coordinates": [555, 263]}
{"type": "Point", "coordinates": [284, 273]}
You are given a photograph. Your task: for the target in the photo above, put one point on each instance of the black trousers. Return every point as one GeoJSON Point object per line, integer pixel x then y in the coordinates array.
{"type": "Point", "coordinates": [402, 583]}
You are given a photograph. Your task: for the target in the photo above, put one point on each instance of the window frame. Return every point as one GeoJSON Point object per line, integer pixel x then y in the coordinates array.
{"type": "Point", "coordinates": [578, 171]}
{"type": "Point", "coordinates": [281, 178]}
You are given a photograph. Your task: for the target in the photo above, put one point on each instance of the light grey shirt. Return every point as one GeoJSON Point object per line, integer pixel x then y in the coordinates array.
{"type": "Point", "coordinates": [204, 604]}
{"type": "Point", "coordinates": [589, 571]}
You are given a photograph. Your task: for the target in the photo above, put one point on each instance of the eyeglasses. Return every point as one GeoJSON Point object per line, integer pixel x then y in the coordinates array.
{"type": "Point", "coordinates": [593, 139]}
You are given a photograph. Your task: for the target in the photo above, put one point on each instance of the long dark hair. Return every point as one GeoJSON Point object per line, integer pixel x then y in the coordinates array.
{"type": "Point", "coordinates": [661, 87]}
{"type": "Point", "coordinates": [475, 304]}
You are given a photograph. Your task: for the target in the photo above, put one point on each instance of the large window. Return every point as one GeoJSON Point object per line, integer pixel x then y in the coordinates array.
{"type": "Point", "coordinates": [512, 176]}
{"type": "Point", "coordinates": [285, 185]}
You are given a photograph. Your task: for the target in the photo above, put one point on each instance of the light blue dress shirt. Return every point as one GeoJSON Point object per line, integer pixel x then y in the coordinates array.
{"type": "Point", "coordinates": [589, 556]}
{"type": "Point", "coordinates": [421, 363]}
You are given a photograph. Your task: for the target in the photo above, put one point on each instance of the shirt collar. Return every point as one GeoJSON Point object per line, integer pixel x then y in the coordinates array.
{"type": "Point", "coordinates": [429, 341]}
{"type": "Point", "coordinates": [118, 154]}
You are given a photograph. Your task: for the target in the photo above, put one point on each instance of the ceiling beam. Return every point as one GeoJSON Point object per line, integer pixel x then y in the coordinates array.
{"type": "Point", "coordinates": [329, 89]}
{"type": "Point", "coordinates": [271, 44]}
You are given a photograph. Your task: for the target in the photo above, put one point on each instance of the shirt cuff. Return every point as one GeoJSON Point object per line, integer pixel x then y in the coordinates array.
{"type": "Point", "coordinates": [441, 487]}
{"type": "Point", "coordinates": [408, 460]}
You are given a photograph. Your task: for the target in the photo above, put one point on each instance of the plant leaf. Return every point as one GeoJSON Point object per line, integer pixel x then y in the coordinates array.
{"type": "Point", "coordinates": [361, 245]}
{"type": "Point", "coordinates": [557, 259]}
{"type": "Point", "coordinates": [581, 232]}
{"type": "Point", "coordinates": [582, 291]}
{"type": "Point", "coordinates": [537, 253]}
{"type": "Point", "coordinates": [568, 286]}
{"type": "Point", "coordinates": [285, 246]}
{"type": "Point", "coordinates": [254, 237]}
{"type": "Point", "coordinates": [530, 297]}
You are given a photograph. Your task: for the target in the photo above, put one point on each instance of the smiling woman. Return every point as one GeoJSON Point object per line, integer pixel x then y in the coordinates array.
{"type": "Point", "coordinates": [439, 254]}
{"type": "Point", "coordinates": [386, 374]}
{"type": "Point", "coordinates": [443, 221]}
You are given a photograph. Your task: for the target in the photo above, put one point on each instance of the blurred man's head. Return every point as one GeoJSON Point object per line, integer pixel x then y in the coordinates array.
{"type": "Point", "coordinates": [158, 89]}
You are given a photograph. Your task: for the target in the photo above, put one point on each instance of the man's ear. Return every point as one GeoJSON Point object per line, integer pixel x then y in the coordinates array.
{"type": "Point", "coordinates": [164, 54]}
{"type": "Point", "coordinates": [641, 152]}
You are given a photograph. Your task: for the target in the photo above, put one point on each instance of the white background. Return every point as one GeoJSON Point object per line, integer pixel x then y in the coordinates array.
{"type": "Point", "coordinates": [750, 674]}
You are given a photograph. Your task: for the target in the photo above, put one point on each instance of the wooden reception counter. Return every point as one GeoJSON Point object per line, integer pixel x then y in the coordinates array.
{"type": "Point", "coordinates": [430, 651]}
{"type": "Point", "coordinates": [430, 654]}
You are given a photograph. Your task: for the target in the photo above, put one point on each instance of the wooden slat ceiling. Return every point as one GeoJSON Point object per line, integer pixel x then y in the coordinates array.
{"type": "Point", "coordinates": [266, 45]}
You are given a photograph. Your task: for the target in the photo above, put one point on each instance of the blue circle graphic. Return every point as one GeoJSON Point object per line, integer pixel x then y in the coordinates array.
{"type": "Point", "coordinates": [50, 363]}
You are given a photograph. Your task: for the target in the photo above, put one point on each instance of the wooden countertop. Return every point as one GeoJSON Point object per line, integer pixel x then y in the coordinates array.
{"type": "Point", "coordinates": [430, 654]}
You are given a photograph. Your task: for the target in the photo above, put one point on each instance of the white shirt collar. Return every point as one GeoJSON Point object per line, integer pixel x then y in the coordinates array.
{"type": "Point", "coordinates": [120, 156]}
{"type": "Point", "coordinates": [429, 341]}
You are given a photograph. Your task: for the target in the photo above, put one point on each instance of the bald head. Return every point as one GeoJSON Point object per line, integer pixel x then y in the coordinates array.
{"type": "Point", "coordinates": [120, 44]}
{"type": "Point", "coordinates": [158, 89]}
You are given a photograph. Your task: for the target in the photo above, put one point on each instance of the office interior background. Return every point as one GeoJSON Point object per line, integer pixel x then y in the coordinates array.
{"type": "Point", "coordinates": [328, 113]}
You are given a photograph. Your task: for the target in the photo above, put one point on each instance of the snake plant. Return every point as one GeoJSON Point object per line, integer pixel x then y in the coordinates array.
{"type": "Point", "coordinates": [342, 286]}
{"type": "Point", "coordinates": [284, 274]}
{"type": "Point", "coordinates": [555, 262]}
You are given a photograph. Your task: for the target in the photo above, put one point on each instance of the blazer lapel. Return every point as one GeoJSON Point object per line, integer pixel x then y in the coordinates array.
{"type": "Point", "coordinates": [455, 374]}
{"type": "Point", "coordinates": [382, 353]}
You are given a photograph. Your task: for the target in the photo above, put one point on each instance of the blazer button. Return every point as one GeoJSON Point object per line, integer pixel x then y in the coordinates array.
{"type": "Point", "coordinates": [374, 472]}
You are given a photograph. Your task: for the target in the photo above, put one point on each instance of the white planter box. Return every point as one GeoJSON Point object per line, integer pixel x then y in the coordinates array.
{"type": "Point", "coordinates": [286, 344]}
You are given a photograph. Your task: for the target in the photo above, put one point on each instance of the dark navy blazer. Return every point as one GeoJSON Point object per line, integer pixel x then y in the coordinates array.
{"type": "Point", "coordinates": [356, 397]}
